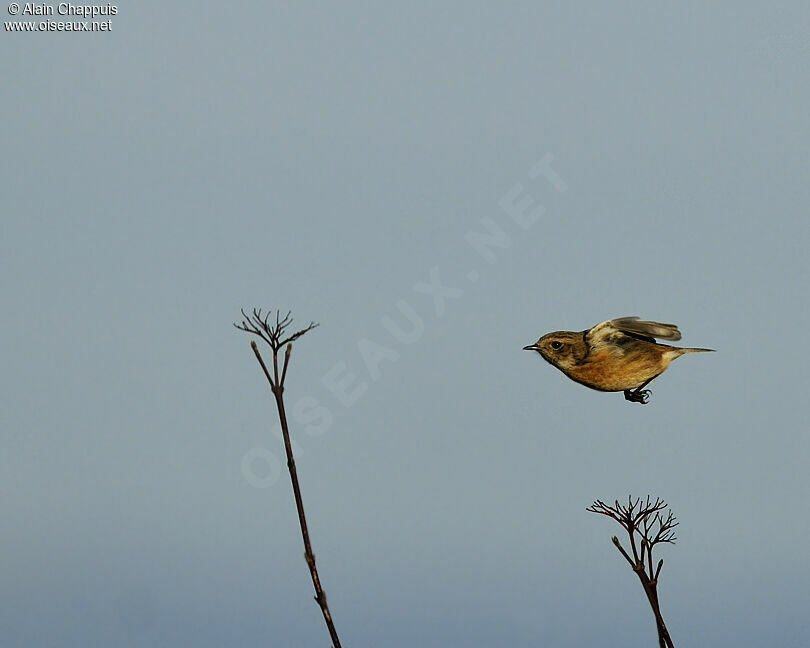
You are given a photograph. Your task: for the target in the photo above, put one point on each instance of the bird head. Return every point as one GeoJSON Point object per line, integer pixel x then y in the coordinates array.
{"type": "Point", "coordinates": [559, 348]}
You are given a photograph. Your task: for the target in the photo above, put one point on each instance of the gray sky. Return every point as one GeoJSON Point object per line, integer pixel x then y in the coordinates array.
{"type": "Point", "coordinates": [161, 176]}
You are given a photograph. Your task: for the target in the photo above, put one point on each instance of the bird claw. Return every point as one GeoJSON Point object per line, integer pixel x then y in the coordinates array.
{"type": "Point", "coordinates": [638, 396]}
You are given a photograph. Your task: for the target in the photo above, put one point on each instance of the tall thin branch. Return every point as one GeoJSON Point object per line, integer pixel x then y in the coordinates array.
{"type": "Point", "coordinates": [275, 334]}
{"type": "Point", "coordinates": [643, 518]}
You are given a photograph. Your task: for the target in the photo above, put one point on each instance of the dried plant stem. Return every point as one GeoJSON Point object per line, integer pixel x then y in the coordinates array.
{"type": "Point", "coordinates": [651, 590]}
{"type": "Point", "coordinates": [274, 335]}
{"type": "Point", "coordinates": [278, 392]}
{"type": "Point", "coordinates": [645, 519]}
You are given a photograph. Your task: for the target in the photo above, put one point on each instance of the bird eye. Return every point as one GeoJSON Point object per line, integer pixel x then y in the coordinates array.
{"type": "Point", "coordinates": [556, 345]}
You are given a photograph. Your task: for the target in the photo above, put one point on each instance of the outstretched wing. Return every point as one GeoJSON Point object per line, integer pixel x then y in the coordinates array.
{"type": "Point", "coordinates": [615, 330]}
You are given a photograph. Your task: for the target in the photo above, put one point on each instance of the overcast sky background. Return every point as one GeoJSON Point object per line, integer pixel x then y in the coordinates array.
{"type": "Point", "coordinates": [326, 160]}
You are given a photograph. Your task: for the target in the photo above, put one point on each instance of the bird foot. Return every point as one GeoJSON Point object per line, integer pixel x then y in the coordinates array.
{"type": "Point", "coordinates": [638, 396]}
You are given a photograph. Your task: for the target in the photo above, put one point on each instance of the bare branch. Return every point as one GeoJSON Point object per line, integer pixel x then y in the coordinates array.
{"type": "Point", "coordinates": [623, 552]}
{"type": "Point", "coordinates": [286, 361]}
{"type": "Point", "coordinates": [658, 569]}
{"type": "Point", "coordinates": [646, 524]}
{"type": "Point", "coordinates": [255, 348]}
{"type": "Point", "coordinates": [275, 334]}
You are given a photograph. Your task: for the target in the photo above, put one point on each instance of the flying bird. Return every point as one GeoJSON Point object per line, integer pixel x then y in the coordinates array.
{"type": "Point", "coordinates": [615, 355]}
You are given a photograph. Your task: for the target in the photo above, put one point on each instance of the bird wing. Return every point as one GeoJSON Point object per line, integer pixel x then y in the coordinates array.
{"type": "Point", "coordinates": [613, 331]}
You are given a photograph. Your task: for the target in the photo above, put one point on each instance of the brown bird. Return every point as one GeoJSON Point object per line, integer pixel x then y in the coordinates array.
{"type": "Point", "coordinates": [615, 355]}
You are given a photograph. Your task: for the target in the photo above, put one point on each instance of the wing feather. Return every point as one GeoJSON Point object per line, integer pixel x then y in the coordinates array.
{"type": "Point", "coordinates": [653, 329]}
{"type": "Point", "coordinates": [612, 330]}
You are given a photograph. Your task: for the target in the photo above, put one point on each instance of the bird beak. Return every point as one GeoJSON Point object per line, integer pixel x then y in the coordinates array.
{"type": "Point", "coordinates": [531, 347]}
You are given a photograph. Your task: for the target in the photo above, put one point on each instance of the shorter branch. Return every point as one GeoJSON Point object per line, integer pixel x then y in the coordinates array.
{"type": "Point", "coordinates": [623, 552]}
{"type": "Point", "coordinates": [286, 361]}
{"type": "Point", "coordinates": [255, 348]}
{"type": "Point", "coordinates": [658, 569]}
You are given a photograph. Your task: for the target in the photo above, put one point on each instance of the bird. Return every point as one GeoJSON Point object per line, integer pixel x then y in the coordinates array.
{"type": "Point", "coordinates": [615, 355]}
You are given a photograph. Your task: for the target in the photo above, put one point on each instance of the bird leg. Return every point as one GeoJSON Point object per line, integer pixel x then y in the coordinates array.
{"type": "Point", "coordinates": [639, 394]}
